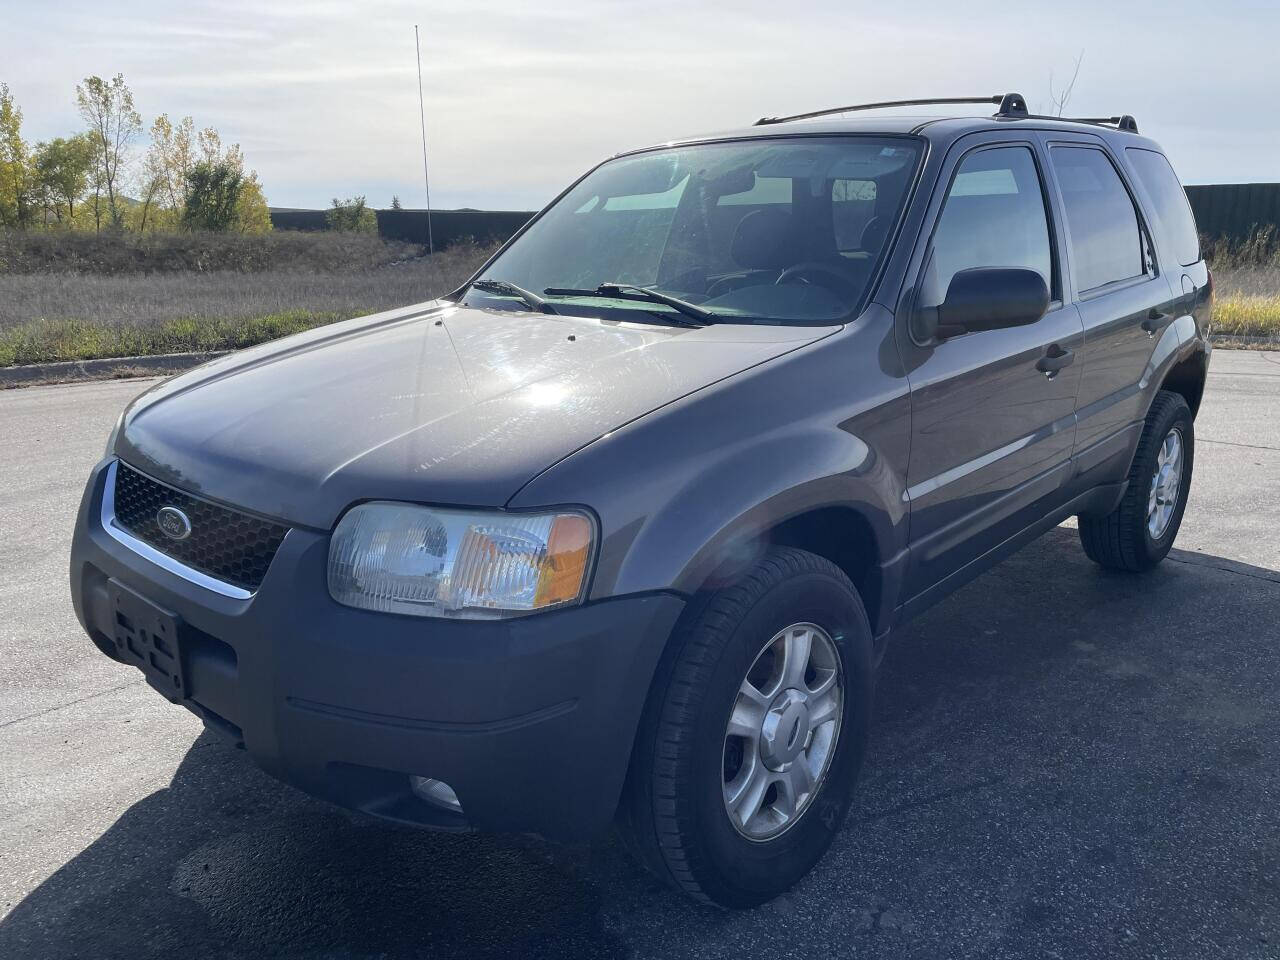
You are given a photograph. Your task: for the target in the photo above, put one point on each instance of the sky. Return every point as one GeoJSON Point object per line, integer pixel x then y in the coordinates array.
{"type": "Point", "coordinates": [521, 98]}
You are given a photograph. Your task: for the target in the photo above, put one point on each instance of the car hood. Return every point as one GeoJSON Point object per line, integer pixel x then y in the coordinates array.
{"type": "Point", "coordinates": [433, 403]}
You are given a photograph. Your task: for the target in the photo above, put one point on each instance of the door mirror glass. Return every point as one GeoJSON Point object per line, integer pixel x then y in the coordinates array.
{"type": "Point", "coordinates": [992, 298]}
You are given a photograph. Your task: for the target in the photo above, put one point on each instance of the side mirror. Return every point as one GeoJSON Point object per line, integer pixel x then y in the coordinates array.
{"type": "Point", "coordinates": [992, 298]}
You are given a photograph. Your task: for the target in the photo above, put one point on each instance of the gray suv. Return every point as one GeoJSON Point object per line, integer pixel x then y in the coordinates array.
{"type": "Point", "coordinates": [616, 533]}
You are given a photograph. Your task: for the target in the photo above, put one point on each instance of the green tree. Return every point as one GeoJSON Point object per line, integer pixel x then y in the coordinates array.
{"type": "Point", "coordinates": [142, 213]}
{"type": "Point", "coordinates": [395, 203]}
{"type": "Point", "coordinates": [62, 170]}
{"type": "Point", "coordinates": [176, 150]}
{"type": "Point", "coordinates": [107, 107]}
{"type": "Point", "coordinates": [95, 201]}
{"type": "Point", "coordinates": [17, 187]}
{"type": "Point", "coordinates": [169, 160]}
{"type": "Point", "coordinates": [209, 143]}
{"type": "Point", "coordinates": [212, 195]}
{"type": "Point", "coordinates": [351, 216]}
{"type": "Point", "coordinates": [252, 213]}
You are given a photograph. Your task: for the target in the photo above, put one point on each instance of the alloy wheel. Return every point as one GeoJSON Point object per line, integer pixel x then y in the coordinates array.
{"type": "Point", "coordinates": [782, 731]}
{"type": "Point", "coordinates": [1166, 483]}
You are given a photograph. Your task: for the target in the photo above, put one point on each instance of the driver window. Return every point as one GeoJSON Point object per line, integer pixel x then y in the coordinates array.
{"type": "Point", "coordinates": [994, 216]}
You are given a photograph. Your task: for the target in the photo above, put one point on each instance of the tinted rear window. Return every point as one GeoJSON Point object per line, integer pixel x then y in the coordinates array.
{"type": "Point", "coordinates": [1172, 211]}
{"type": "Point", "coordinates": [1106, 240]}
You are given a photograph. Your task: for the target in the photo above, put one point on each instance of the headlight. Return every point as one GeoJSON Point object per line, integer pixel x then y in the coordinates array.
{"type": "Point", "coordinates": [402, 558]}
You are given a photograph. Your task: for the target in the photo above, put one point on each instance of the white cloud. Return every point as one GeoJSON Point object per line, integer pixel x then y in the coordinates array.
{"type": "Point", "coordinates": [521, 97]}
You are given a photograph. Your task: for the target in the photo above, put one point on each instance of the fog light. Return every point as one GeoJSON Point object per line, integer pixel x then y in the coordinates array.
{"type": "Point", "coordinates": [435, 791]}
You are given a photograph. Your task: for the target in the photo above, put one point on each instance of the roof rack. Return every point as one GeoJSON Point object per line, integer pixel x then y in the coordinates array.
{"type": "Point", "coordinates": [1123, 122]}
{"type": "Point", "coordinates": [1011, 106]}
{"type": "Point", "coordinates": [999, 98]}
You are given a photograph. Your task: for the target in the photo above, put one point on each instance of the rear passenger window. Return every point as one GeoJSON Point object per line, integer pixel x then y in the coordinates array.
{"type": "Point", "coordinates": [1172, 210]}
{"type": "Point", "coordinates": [994, 216]}
{"type": "Point", "coordinates": [1106, 239]}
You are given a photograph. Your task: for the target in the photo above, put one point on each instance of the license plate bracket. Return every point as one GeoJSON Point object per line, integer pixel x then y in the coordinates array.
{"type": "Point", "coordinates": [149, 637]}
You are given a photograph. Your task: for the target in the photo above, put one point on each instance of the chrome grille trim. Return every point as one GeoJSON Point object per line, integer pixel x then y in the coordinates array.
{"type": "Point", "coordinates": [148, 552]}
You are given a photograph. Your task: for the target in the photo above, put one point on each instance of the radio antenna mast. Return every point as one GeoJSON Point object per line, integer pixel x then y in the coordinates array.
{"type": "Point", "coordinates": [422, 117]}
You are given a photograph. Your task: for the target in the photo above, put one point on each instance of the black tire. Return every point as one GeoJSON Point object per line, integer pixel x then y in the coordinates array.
{"type": "Point", "coordinates": [672, 816]}
{"type": "Point", "coordinates": [1121, 540]}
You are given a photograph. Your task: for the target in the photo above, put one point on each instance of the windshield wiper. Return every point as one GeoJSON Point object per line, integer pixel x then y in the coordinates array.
{"type": "Point", "coordinates": [534, 301]}
{"type": "Point", "coordinates": [620, 291]}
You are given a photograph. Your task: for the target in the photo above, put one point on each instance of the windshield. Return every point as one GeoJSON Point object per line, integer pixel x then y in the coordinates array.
{"type": "Point", "coordinates": [769, 230]}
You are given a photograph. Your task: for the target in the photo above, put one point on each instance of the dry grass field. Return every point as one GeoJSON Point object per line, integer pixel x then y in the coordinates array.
{"type": "Point", "coordinates": [1247, 290]}
{"type": "Point", "coordinates": [78, 297]}
{"type": "Point", "coordinates": [1248, 303]}
{"type": "Point", "coordinates": [101, 303]}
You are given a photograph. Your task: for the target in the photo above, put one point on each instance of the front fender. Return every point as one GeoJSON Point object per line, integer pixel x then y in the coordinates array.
{"type": "Point", "coordinates": [811, 470]}
{"type": "Point", "coordinates": [694, 485]}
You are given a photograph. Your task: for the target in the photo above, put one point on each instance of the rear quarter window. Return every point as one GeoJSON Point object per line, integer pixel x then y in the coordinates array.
{"type": "Point", "coordinates": [1172, 210]}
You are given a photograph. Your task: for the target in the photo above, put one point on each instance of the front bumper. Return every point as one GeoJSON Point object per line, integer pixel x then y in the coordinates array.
{"type": "Point", "coordinates": [529, 720]}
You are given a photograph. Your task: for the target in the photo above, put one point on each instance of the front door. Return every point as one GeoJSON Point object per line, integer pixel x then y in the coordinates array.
{"type": "Point", "coordinates": [992, 412]}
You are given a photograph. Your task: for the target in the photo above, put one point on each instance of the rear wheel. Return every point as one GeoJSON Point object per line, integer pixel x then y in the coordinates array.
{"type": "Point", "coordinates": [1140, 531]}
{"type": "Point", "coordinates": [753, 735]}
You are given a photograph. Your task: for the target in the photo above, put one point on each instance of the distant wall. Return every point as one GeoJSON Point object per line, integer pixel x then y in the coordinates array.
{"type": "Point", "coordinates": [1235, 210]}
{"type": "Point", "coordinates": [447, 226]}
{"type": "Point", "coordinates": [1230, 210]}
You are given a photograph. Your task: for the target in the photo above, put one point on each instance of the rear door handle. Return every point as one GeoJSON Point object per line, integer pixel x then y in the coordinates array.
{"type": "Point", "coordinates": [1155, 320]}
{"type": "Point", "coordinates": [1054, 359]}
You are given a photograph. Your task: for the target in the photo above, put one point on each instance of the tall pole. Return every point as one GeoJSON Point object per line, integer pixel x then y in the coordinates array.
{"type": "Point", "coordinates": [422, 117]}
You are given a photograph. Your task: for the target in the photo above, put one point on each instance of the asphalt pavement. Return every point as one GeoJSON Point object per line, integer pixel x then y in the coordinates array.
{"type": "Point", "coordinates": [1066, 763]}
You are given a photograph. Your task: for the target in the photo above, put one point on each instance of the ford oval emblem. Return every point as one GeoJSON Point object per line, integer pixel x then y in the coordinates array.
{"type": "Point", "coordinates": [173, 523]}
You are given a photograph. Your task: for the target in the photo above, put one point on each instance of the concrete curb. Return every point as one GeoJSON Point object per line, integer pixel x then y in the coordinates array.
{"type": "Point", "coordinates": [104, 369]}
{"type": "Point", "coordinates": [1226, 339]}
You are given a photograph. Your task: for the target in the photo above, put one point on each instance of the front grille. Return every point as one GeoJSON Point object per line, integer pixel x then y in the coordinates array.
{"type": "Point", "coordinates": [223, 543]}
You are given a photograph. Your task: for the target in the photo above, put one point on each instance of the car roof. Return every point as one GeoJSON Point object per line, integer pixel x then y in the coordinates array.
{"type": "Point", "coordinates": [938, 130]}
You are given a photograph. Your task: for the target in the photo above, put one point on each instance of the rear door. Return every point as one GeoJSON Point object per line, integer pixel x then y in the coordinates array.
{"type": "Point", "coordinates": [1124, 300]}
{"type": "Point", "coordinates": [991, 428]}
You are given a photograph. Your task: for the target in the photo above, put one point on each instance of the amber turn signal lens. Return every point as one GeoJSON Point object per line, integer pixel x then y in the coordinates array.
{"type": "Point", "coordinates": [565, 568]}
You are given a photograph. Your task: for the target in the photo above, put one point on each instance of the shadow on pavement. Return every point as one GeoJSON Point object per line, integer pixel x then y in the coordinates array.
{"type": "Point", "coordinates": [1066, 762]}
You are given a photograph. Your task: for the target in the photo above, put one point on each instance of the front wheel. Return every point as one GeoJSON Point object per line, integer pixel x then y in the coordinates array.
{"type": "Point", "coordinates": [1138, 533]}
{"type": "Point", "coordinates": [753, 735]}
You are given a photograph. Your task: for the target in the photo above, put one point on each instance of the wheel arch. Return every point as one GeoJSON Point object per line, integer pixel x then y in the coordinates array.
{"type": "Point", "coordinates": [847, 534]}
{"type": "Point", "coordinates": [1187, 378]}
{"type": "Point", "coordinates": [845, 537]}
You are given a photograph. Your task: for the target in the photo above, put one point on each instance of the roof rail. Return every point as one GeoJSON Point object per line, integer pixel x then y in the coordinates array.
{"type": "Point", "coordinates": [1012, 106]}
{"type": "Point", "coordinates": [1123, 122]}
{"type": "Point", "coordinates": [997, 98]}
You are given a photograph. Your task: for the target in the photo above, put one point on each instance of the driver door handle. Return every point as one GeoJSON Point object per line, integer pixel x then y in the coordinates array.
{"type": "Point", "coordinates": [1054, 359]}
